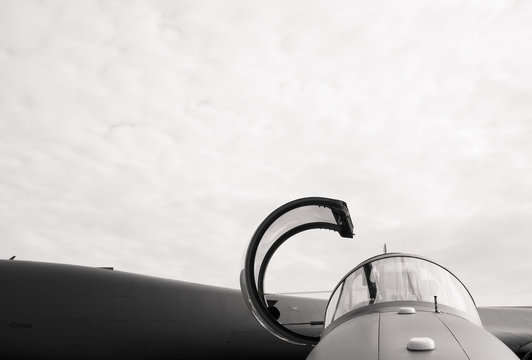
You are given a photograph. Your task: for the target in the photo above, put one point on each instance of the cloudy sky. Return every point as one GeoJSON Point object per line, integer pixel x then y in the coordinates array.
{"type": "Point", "coordinates": [155, 136]}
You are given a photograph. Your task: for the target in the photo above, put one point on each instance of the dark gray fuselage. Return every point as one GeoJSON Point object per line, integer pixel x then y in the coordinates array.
{"type": "Point", "coordinates": [65, 311]}
{"type": "Point", "coordinates": [74, 312]}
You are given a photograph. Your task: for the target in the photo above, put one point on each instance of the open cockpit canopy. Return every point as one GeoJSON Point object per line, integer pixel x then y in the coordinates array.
{"type": "Point", "coordinates": [285, 222]}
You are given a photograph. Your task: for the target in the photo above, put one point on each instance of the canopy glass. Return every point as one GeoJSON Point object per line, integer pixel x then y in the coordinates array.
{"type": "Point", "coordinates": [399, 277]}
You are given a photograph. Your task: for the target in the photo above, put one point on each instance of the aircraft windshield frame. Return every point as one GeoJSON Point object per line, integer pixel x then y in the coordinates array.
{"type": "Point", "coordinates": [400, 277]}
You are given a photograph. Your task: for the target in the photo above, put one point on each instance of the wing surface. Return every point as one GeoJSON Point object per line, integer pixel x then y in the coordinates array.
{"type": "Point", "coordinates": [512, 325]}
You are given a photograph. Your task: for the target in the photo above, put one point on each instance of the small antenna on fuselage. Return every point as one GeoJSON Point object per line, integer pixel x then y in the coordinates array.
{"type": "Point", "coordinates": [385, 250]}
{"type": "Point", "coordinates": [436, 304]}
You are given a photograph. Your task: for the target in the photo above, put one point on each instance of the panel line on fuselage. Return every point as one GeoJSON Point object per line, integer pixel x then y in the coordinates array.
{"type": "Point", "coordinates": [452, 333]}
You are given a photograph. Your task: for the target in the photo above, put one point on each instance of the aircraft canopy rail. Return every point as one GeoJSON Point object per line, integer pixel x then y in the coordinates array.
{"type": "Point", "coordinates": [400, 277]}
{"type": "Point", "coordinates": [288, 220]}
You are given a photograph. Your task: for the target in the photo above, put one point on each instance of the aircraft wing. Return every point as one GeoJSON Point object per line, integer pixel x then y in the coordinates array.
{"type": "Point", "coordinates": [512, 325]}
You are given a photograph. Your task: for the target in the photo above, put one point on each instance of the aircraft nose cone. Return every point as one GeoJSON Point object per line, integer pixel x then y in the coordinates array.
{"type": "Point", "coordinates": [418, 336]}
{"type": "Point", "coordinates": [428, 335]}
{"type": "Point", "coordinates": [406, 337]}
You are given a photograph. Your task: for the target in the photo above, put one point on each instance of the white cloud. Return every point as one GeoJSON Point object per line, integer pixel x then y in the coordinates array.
{"type": "Point", "coordinates": [154, 137]}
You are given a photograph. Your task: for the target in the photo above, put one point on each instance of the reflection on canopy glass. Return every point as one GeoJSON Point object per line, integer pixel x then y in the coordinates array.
{"type": "Point", "coordinates": [399, 278]}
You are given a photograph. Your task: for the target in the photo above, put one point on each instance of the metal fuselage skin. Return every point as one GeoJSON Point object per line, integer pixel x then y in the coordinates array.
{"type": "Point", "coordinates": [62, 311]}
{"type": "Point", "coordinates": [73, 312]}
{"type": "Point", "coordinates": [383, 334]}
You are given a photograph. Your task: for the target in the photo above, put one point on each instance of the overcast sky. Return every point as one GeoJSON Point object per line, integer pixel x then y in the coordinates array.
{"type": "Point", "coordinates": [155, 136]}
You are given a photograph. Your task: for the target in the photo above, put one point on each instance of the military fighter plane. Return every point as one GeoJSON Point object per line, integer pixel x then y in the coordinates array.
{"type": "Point", "coordinates": [391, 306]}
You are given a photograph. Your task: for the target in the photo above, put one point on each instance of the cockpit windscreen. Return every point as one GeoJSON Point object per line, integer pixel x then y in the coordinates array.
{"type": "Point", "coordinates": [399, 278]}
